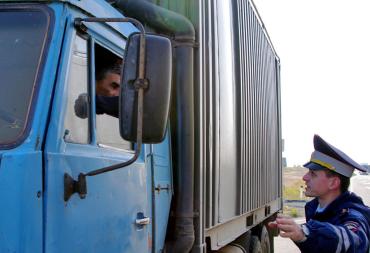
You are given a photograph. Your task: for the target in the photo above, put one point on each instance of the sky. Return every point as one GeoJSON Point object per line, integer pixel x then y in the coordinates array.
{"type": "Point", "coordinates": [324, 50]}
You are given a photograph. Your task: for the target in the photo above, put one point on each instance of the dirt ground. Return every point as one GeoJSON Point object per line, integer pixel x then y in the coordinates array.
{"type": "Point", "coordinates": [293, 187]}
{"type": "Point", "coordinates": [292, 175]}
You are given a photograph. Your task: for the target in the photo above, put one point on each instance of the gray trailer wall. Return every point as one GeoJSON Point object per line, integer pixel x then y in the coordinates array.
{"type": "Point", "coordinates": [257, 81]}
{"type": "Point", "coordinates": [241, 113]}
{"type": "Point", "coordinates": [238, 139]}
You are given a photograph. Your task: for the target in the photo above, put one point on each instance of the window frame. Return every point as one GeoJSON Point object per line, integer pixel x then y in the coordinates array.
{"type": "Point", "coordinates": [97, 34]}
{"type": "Point", "coordinates": [87, 38]}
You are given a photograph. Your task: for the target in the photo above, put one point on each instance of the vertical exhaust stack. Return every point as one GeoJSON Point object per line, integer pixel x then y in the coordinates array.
{"type": "Point", "coordinates": [182, 33]}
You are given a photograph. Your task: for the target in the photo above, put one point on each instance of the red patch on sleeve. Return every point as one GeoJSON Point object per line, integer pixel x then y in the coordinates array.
{"type": "Point", "coordinates": [352, 225]}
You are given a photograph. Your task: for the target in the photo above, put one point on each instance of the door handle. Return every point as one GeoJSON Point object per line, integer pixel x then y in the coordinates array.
{"type": "Point", "coordinates": [141, 220]}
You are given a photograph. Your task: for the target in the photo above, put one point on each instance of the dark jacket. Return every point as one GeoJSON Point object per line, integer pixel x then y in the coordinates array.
{"type": "Point", "coordinates": [342, 227]}
{"type": "Point", "coordinates": [108, 105]}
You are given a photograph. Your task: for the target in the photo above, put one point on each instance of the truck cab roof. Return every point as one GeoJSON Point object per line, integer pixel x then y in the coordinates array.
{"type": "Point", "coordinates": [95, 8]}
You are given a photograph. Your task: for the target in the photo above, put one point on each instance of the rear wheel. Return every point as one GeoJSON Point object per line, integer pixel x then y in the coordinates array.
{"type": "Point", "coordinates": [255, 246]}
{"type": "Point", "coordinates": [266, 241]}
{"type": "Point", "coordinates": [231, 249]}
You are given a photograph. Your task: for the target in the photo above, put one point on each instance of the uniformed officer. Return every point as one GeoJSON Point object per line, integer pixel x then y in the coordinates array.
{"type": "Point", "coordinates": [336, 219]}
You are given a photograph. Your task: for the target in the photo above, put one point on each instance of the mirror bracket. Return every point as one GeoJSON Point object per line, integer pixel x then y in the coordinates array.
{"type": "Point", "coordinates": [72, 186]}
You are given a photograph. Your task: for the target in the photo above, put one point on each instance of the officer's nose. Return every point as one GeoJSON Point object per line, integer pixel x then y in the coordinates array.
{"type": "Point", "coordinates": [305, 177]}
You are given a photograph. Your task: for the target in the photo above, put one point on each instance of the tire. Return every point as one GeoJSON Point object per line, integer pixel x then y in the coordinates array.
{"type": "Point", "coordinates": [255, 246]}
{"type": "Point", "coordinates": [231, 249]}
{"type": "Point", "coordinates": [266, 243]}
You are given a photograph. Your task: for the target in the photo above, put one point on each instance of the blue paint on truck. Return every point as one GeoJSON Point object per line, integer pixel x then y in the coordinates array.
{"type": "Point", "coordinates": [34, 217]}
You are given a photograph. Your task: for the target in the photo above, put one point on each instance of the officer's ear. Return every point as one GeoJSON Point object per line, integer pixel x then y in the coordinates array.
{"type": "Point", "coordinates": [334, 183]}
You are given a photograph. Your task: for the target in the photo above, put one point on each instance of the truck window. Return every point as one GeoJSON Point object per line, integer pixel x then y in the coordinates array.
{"type": "Point", "coordinates": [76, 125]}
{"type": "Point", "coordinates": [107, 78]}
{"type": "Point", "coordinates": [22, 33]}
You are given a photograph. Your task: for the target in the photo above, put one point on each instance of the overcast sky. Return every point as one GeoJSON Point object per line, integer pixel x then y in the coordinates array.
{"type": "Point", "coordinates": [324, 48]}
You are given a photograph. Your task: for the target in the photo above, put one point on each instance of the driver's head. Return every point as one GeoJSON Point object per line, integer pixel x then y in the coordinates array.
{"type": "Point", "coordinates": [108, 80]}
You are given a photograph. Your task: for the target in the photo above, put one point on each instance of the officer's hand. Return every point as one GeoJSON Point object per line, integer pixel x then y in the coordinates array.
{"type": "Point", "coordinates": [272, 224]}
{"type": "Point", "coordinates": [289, 228]}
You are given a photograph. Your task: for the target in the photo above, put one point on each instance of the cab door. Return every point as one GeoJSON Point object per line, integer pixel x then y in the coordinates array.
{"type": "Point", "coordinates": [106, 220]}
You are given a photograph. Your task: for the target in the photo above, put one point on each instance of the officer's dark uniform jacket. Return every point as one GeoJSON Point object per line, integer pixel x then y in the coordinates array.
{"type": "Point", "coordinates": [342, 227]}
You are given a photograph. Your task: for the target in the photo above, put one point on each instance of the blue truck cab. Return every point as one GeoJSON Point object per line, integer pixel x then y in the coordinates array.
{"type": "Point", "coordinates": [47, 62]}
{"type": "Point", "coordinates": [212, 181]}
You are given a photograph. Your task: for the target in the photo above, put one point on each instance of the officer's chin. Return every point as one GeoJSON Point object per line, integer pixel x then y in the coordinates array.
{"type": "Point", "coordinates": [308, 193]}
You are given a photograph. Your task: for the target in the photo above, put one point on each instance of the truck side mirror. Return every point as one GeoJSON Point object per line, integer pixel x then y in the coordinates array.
{"type": "Point", "coordinates": [158, 71]}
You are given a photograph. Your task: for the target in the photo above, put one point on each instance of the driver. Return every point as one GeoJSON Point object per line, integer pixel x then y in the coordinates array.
{"type": "Point", "coordinates": [107, 89]}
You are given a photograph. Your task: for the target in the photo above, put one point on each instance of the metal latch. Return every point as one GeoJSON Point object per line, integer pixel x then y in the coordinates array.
{"type": "Point", "coordinates": [159, 187]}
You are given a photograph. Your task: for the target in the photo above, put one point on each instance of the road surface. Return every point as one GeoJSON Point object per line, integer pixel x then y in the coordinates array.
{"type": "Point", "coordinates": [360, 184]}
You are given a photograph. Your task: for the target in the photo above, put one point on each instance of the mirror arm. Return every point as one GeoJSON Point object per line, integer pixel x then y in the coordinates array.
{"type": "Point", "coordinates": [138, 139]}
{"type": "Point", "coordinates": [80, 185]}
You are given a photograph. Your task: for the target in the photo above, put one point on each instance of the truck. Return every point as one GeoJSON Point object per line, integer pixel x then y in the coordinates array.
{"type": "Point", "coordinates": [190, 163]}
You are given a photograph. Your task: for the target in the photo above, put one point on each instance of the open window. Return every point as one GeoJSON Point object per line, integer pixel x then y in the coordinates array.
{"type": "Point", "coordinates": [107, 78]}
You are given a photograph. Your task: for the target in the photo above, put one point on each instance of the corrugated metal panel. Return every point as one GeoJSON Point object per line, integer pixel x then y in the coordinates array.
{"type": "Point", "coordinates": [227, 117]}
{"type": "Point", "coordinates": [259, 122]}
{"type": "Point", "coordinates": [239, 144]}
{"type": "Point", "coordinates": [242, 133]}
